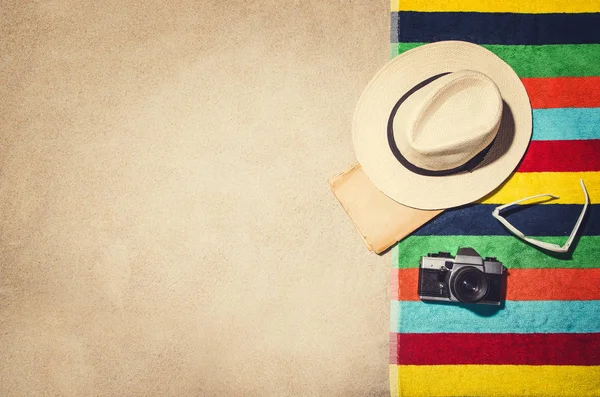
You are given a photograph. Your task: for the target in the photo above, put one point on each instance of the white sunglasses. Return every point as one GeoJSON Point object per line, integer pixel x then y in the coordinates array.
{"type": "Point", "coordinates": [537, 243]}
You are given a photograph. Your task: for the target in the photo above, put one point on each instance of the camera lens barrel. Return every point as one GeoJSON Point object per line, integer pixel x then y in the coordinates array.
{"type": "Point", "coordinates": [469, 284]}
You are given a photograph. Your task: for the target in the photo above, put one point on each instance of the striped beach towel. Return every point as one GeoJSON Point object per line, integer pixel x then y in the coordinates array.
{"type": "Point", "coordinates": [545, 339]}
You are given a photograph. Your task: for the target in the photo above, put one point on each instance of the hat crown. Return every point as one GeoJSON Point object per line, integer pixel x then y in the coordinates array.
{"type": "Point", "coordinates": [449, 121]}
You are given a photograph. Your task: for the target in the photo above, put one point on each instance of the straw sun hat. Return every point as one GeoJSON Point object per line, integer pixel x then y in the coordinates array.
{"type": "Point", "coordinates": [442, 125]}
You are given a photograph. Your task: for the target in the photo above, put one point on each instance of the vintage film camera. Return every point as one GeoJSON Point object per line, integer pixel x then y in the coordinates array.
{"type": "Point", "coordinates": [465, 278]}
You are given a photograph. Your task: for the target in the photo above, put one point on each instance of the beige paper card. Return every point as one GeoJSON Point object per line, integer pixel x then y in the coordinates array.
{"type": "Point", "coordinates": [380, 220]}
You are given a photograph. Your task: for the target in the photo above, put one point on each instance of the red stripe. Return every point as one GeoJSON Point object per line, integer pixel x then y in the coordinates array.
{"type": "Point", "coordinates": [524, 284]}
{"type": "Point", "coordinates": [563, 92]}
{"type": "Point", "coordinates": [562, 156]}
{"type": "Point", "coordinates": [515, 349]}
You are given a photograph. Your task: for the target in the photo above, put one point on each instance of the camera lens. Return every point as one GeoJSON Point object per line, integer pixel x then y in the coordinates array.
{"type": "Point", "coordinates": [469, 285]}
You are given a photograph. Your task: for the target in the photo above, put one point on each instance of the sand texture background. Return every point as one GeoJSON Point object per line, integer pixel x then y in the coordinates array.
{"type": "Point", "coordinates": [166, 226]}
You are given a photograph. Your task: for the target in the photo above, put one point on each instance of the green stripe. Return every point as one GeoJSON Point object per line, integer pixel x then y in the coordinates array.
{"type": "Point", "coordinates": [540, 61]}
{"type": "Point", "coordinates": [511, 251]}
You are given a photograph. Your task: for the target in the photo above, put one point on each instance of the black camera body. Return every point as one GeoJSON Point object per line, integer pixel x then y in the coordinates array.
{"type": "Point", "coordinates": [465, 278]}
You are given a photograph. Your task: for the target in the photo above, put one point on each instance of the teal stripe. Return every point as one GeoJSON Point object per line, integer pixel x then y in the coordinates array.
{"type": "Point", "coordinates": [540, 60]}
{"type": "Point", "coordinates": [566, 123]}
{"type": "Point", "coordinates": [516, 317]}
{"type": "Point", "coordinates": [513, 252]}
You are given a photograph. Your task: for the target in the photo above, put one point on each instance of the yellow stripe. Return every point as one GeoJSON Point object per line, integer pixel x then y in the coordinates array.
{"type": "Point", "coordinates": [517, 6]}
{"type": "Point", "coordinates": [394, 391]}
{"type": "Point", "coordinates": [562, 184]}
{"type": "Point", "coordinates": [497, 380]}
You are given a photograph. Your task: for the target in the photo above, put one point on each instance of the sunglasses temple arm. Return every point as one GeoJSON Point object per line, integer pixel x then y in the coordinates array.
{"type": "Point", "coordinates": [581, 216]}
{"type": "Point", "coordinates": [503, 207]}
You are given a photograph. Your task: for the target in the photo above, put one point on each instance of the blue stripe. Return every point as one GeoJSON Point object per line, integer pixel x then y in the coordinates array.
{"type": "Point", "coordinates": [566, 123]}
{"type": "Point", "coordinates": [394, 27]}
{"type": "Point", "coordinates": [533, 220]}
{"type": "Point", "coordinates": [496, 28]}
{"type": "Point", "coordinates": [516, 317]}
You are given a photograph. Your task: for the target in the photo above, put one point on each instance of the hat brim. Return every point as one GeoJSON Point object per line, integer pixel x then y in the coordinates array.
{"type": "Point", "coordinates": [369, 129]}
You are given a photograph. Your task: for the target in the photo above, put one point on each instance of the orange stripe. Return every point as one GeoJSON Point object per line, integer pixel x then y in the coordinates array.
{"type": "Point", "coordinates": [394, 291]}
{"type": "Point", "coordinates": [407, 282]}
{"type": "Point", "coordinates": [523, 284]}
{"type": "Point", "coordinates": [563, 92]}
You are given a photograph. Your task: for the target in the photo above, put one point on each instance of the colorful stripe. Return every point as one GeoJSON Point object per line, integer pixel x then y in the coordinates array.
{"type": "Point", "coordinates": [562, 184]}
{"type": "Point", "coordinates": [514, 6]}
{"type": "Point", "coordinates": [566, 124]}
{"type": "Point", "coordinates": [475, 348]}
{"type": "Point", "coordinates": [562, 156]}
{"type": "Point", "coordinates": [494, 380]}
{"type": "Point", "coordinates": [558, 60]}
{"type": "Point", "coordinates": [544, 340]}
{"type": "Point", "coordinates": [563, 92]}
{"type": "Point", "coordinates": [511, 251]}
{"type": "Point", "coordinates": [496, 28]}
{"type": "Point", "coordinates": [522, 284]}
{"type": "Point", "coordinates": [533, 220]}
{"type": "Point", "coordinates": [521, 317]}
